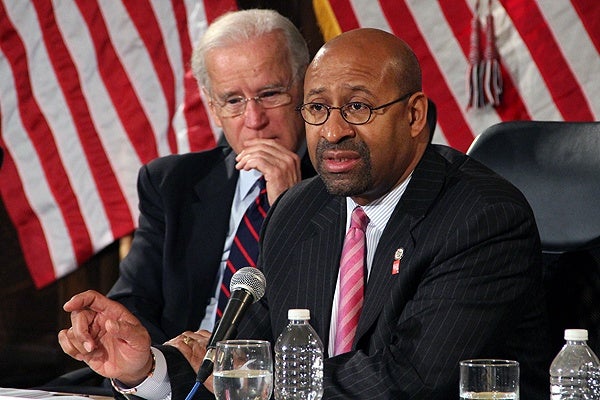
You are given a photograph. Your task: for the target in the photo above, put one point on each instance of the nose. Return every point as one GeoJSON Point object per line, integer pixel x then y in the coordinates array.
{"type": "Point", "coordinates": [336, 128]}
{"type": "Point", "coordinates": [255, 116]}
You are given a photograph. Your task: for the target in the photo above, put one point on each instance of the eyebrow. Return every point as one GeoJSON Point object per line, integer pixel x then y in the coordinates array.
{"type": "Point", "coordinates": [315, 91]}
{"type": "Point", "coordinates": [270, 86]}
{"type": "Point", "coordinates": [350, 88]}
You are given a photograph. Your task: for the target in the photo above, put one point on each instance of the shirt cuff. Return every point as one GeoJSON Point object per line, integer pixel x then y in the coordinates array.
{"type": "Point", "coordinates": [155, 387]}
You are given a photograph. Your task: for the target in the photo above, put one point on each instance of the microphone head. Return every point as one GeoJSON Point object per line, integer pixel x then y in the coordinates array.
{"type": "Point", "coordinates": [251, 280]}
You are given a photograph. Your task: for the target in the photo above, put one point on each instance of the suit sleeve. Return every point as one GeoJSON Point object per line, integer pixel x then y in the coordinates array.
{"type": "Point", "coordinates": [479, 270]}
{"type": "Point", "coordinates": [139, 285]}
{"type": "Point", "coordinates": [182, 376]}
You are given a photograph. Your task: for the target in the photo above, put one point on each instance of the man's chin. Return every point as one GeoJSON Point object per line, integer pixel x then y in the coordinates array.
{"type": "Point", "coordinates": [339, 185]}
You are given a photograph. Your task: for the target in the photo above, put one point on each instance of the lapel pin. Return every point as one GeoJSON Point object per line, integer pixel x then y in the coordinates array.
{"type": "Point", "coordinates": [397, 257]}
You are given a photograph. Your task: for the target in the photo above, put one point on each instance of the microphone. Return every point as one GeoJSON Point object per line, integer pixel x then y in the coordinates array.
{"type": "Point", "coordinates": [247, 287]}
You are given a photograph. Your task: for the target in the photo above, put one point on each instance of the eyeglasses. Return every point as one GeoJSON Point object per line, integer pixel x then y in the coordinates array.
{"type": "Point", "coordinates": [236, 105]}
{"type": "Point", "coordinates": [355, 113]}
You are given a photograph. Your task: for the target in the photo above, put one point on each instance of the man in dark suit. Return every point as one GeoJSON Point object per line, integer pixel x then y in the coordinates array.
{"type": "Point", "coordinates": [454, 270]}
{"type": "Point", "coordinates": [452, 260]}
{"type": "Point", "coordinates": [250, 65]}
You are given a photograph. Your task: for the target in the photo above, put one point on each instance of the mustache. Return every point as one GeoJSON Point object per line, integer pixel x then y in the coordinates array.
{"type": "Point", "coordinates": [349, 144]}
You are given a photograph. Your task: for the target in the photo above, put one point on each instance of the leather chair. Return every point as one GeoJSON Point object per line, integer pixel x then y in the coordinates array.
{"type": "Point", "coordinates": [557, 167]}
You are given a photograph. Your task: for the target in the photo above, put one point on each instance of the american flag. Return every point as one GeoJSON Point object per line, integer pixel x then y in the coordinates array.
{"type": "Point", "coordinates": [90, 90]}
{"type": "Point", "coordinates": [548, 50]}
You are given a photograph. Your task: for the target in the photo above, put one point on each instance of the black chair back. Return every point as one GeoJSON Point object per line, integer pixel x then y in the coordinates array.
{"type": "Point", "coordinates": [557, 167]}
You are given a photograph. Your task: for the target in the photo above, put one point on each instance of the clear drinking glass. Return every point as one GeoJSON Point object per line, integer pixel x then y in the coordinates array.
{"type": "Point", "coordinates": [243, 370]}
{"type": "Point", "coordinates": [489, 379]}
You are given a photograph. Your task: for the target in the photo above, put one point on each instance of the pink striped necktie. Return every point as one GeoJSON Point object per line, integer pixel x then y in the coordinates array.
{"type": "Point", "coordinates": [352, 282]}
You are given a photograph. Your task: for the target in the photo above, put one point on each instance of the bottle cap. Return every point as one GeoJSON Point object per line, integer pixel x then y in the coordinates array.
{"type": "Point", "coordinates": [299, 313]}
{"type": "Point", "coordinates": [576, 334]}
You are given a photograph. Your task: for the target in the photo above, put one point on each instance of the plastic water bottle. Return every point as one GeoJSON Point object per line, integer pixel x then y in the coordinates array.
{"type": "Point", "coordinates": [573, 373]}
{"type": "Point", "coordinates": [298, 360]}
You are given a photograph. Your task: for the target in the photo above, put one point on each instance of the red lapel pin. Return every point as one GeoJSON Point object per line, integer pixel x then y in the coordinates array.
{"type": "Point", "coordinates": [397, 257]}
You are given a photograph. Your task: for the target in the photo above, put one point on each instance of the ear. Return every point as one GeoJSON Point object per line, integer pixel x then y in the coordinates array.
{"type": "Point", "coordinates": [417, 109]}
{"type": "Point", "coordinates": [212, 108]}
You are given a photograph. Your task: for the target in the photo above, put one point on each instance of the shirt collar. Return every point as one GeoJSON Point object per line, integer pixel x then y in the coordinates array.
{"type": "Point", "coordinates": [247, 181]}
{"type": "Point", "coordinates": [380, 210]}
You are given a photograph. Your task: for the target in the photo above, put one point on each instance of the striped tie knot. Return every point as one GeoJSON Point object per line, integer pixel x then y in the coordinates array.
{"type": "Point", "coordinates": [358, 221]}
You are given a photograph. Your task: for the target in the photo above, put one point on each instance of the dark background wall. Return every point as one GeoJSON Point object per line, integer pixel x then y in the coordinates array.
{"type": "Point", "coordinates": [29, 318]}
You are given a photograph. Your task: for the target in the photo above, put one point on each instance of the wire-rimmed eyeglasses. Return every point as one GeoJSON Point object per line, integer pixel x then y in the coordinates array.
{"type": "Point", "coordinates": [355, 112]}
{"type": "Point", "coordinates": [236, 105]}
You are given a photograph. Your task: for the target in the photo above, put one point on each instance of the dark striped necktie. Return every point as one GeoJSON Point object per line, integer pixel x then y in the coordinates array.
{"type": "Point", "coordinates": [244, 249]}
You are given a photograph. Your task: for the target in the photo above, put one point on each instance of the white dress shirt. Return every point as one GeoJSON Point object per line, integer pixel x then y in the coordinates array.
{"type": "Point", "coordinates": [379, 213]}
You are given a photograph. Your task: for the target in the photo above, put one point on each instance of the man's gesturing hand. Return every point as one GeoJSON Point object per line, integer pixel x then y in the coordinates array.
{"type": "Point", "coordinates": [107, 337]}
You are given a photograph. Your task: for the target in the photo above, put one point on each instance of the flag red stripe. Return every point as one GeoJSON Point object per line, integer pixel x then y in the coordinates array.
{"type": "Point", "coordinates": [196, 116]}
{"type": "Point", "coordinates": [148, 28]}
{"type": "Point", "coordinates": [114, 202]}
{"type": "Point", "coordinates": [42, 139]}
{"type": "Point", "coordinates": [450, 118]}
{"type": "Point", "coordinates": [36, 254]}
{"type": "Point", "coordinates": [126, 104]}
{"type": "Point", "coordinates": [458, 16]}
{"type": "Point", "coordinates": [193, 109]}
{"type": "Point", "coordinates": [214, 8]}
{"type": "Point", "coordinates": [589, 14]}
{"type": "Point", "coordinates": [344, 14]}
{"type": "Point", "coordinates": [540, 41]}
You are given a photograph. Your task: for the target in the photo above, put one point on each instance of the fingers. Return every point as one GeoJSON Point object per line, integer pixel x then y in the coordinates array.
{"type": "Point", "coordinates": [176, 341]}
{"type": "Point", "coordinates": [73, 345]}
{"type": "Point", "coordinates": [280, 166]}
{"type": "Point", "coordinates": [79, 334]}
{"type": "Point", "coordinates": [94, 301]}
{"type": "Point", "coordinates": [188, 340]}
{"type": "Point", "coordinates": [267, 155]}
{"type": "Point", "coordinates": [88, 299]}
{"type": "Point", "coordinates": [92, 329]}
{"type": "Point", "coordinates": [107, 337]}
{"type": "Point", "coordinates": [192, 345]}
{"type": "Point", "coordinates": [90, 314]}
{"type": "Point", "coordinates": [79, 337]}
{"type": "Point", "coordinates": [65, 339]}
{"type": "Point", "coordinates": [134, 334]}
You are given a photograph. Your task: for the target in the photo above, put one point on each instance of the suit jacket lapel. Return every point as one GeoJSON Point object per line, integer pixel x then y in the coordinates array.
{"type": "Point", "coordinates": [316, 241]}
{"type": "Point", "coordinates": [425, 184]}
{"type": "Point", "coordinates": [324, 231]}
{"type": "Point", "coordinates": [219, 180]}
{"type": "Point", "coordinates": [212, 210]}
